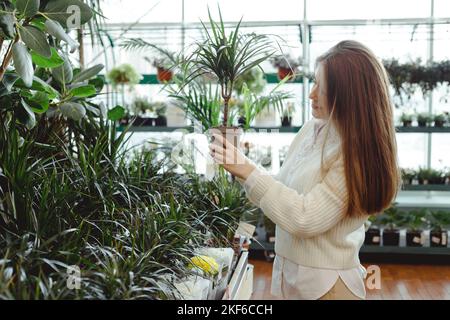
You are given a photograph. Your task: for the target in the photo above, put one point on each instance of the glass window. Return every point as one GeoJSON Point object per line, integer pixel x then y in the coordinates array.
{"type": "Point", "coordinates": [250, 10]}
{"type": "Point", "coordinates": [145, 11]}
{"type": "Point", "coordinates": [441, 8]}
{"type": "Point", "coordinates": [412, 150]}
{"type": "Point", "coordinates": [357, 9]}
{"type": "Point", "coordinates": [440, 154]}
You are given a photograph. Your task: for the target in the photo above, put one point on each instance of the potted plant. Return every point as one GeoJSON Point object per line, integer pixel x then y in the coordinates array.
{"type": "Point", "coordinates": [160, 109]}
{"type": "Point", "coordinates": [144, 112]}
{"type": "Point", "coordinates": [286, 115]}
{"type": "Point", "coordinates": [423, 175]}
{"type": "Point", "coordinates": [287, 66]}
{"type": "Point", "coordinates": [254, 79]}
{"type": "Point", "coordinates": [406, 119]}
{"type": "Point", "coordinates": [438, 222]}
{"type": "Point", "coordinates": [436, 177]}
{"type": "Point", "coordinates": [373, 233]}
{"type": "Point", "coordinates": [225, 58]}
{"type": "Point", "coordinates": [414, 221]}
{"type": "Point", "coordinates": [124, 74]}
{"type": "Point", "coordinates": [424, 119]}
{"type": "Point", "coordinates": [439, 120]}
{"type": "Point", "coordinates": [164, 71]}
{"type": "Point", "coordinates": [408, 176]}
{"type": "Point", "coordinates": [390, 219]}
{"type": "Point", "coordinates": [447, 176]}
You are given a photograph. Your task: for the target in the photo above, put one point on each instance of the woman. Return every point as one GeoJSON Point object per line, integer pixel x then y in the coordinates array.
{"type": "Point", "coordinates": [341, 168]}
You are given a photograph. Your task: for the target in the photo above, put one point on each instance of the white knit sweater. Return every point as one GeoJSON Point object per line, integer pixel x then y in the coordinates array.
{"type": "Point", "coordinates": [309, 211]}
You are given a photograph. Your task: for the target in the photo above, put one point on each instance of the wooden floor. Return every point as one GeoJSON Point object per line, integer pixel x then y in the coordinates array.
{"type": "Point", "coordinates": [398, 282]}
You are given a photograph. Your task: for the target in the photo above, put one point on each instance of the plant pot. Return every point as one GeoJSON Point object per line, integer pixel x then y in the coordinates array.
{"type": "Point", "coordinates": [232, 134]}
{"type": "Point", "coordinates": [161, 121]}
{"type": "Point", "coordinates": [422, 124]}
{"type": "Point", "coordinates": [438, 238]}
{"type": "Point", "coordinates": [407, 123]}
{"type": "Point", "coordinates": [141, 121]}
{"type": "Point", "coordinates": [423, 181]}
{"type": "Point", "coordinates": [285, 72]}
{"type": "Point", "coordinates": [373, 237]}
{"type": "Point", "coordinates": [286, 121]}
{"type": "Point", "coordinates": [124, 121]}
{"type": "Point", "coordinates": [164, 75]}
{"type": "Point", "coordinates": [391, 237]}
{"type": "Point", "coordinates": [439, 123]}
{"type": "Point", "coordinates": [414, 238]}
{"type": "Point", "coordinates": [241, 121]}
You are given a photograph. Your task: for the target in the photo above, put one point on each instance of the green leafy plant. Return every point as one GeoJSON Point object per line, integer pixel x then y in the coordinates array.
{"type": "Point", "coordinates": [124, 74]}
{"type": "Point", "coordinates": [254, 79]}
{"type": "Point", "coordinates": [391, 218]}
{"type": "Point", "coordinates": [424, 119]}
{"type": "Point", "coordinates": [227, 57]}
{"type": "Point", "coordinates": [438, 221]}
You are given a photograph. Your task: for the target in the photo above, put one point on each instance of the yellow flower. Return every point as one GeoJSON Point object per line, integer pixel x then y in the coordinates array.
{"type": "Point", "coordinates": [207, 264]}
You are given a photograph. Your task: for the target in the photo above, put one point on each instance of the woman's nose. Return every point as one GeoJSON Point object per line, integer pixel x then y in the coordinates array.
{"type": "Point", "coordinates": [313, 93]}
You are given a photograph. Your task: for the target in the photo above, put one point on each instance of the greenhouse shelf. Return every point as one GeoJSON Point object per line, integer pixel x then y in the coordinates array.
{"type": "Point", "coordinates": [427, 187]}
{"type": "Point", "coordinates": [423, 130]}
{"type": "Point", "coordinates": [379, 254]}
{"type": "Point", "coordinates": [294, 129]}
{"type": "Point", "coordinates": [190, 129]}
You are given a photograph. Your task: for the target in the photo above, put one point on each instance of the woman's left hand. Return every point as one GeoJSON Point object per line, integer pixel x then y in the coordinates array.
{"type": "Point", "coordinates": [223, 152]}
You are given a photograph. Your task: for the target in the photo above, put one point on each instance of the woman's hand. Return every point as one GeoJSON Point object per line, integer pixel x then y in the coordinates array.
{"type": "Point", "coordinates": [223, 152]}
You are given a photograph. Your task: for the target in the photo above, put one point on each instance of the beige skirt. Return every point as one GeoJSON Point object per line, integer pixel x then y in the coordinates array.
{"type": "Point", "coordinates": [339, 292]}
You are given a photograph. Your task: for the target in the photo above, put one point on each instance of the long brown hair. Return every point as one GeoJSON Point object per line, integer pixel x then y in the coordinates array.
{"type": "Point", "coordinates": [362, 112]}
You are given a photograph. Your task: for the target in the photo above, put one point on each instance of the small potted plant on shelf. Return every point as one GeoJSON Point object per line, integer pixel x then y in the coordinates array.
{"type": "Point", "coordinates": [408, 176]}
{"type": "Point", "coordinates": [373, 233]}
{"type": "Point", "coordinates": [414, 222]}
{"type": "Point", "coordinates": [438, 222]}
{"type": "Point", "coordinates": [286, 114]}
{"type": "Point", "coordinates": [406, 119]}
{"type": "Point", "coordinates": [423, 119]}
{"type": "Point", "coordinates": [423, 175]}
{"type": "Point", "coordinates": [439, 120]}
{"type": "Point", "coordinates": [447, 176]}
{"type": "Point", "coordinates": [437, 177]}
{"type": "Point", "coordinates": [144, 112]}
{"type": "Point", "coordinates": [164, 71]}
{"type": "Point", "coordinates": [390, 219]}
{"type": "Point", "coordinates": [124, 74]}
{"type": "Point", "coordinates": [287, 66]}
{"type": "Point", "coordinates": [225, 58]}
{"type": "Point", "coordinates": [160, 109]}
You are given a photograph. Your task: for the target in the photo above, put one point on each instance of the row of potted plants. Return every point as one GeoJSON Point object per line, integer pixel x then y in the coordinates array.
{"type": "Point", "coordinates": [425, 119]}
{"type": "Point", "coordinates": [144, 112]}
{"type": "Point", "coordinates": [425, 176]}
{"type": "Point", "coordinates": [385, 228]}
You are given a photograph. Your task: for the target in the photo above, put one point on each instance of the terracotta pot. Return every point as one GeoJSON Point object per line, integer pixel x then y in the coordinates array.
{"type": "Point", "coordinates": [285, 72]}
{"type": "Point", "coordinates": [164, 75]}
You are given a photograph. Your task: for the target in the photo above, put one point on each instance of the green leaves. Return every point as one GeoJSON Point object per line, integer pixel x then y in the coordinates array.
{"type": "Point", "coordinates": [7, 25]}
{"type": "Point", "coordinates": [54, 29]}
{"type": "Point", "coordinates": [23, 63]}
{"type": "Point", "coordinates": [26, 115]}
{"type": "Point", "coordinates": [36, 40]}
{"type": "Point", "coordinates": [87, 74]}
{"type": "Point", "coordinates": [116, 113]}
{"type": "Point", "coordinates": [73, 110]}
{"type": "Point", "coordinates": [28, 8]}
{"type": "Point", "coordinates": [69, 13]}
{"type": "Point", "coordinates": [54, 61]}
{"type": "Point", "coordinates": [64, 73]}
{"type": "Point", "coordinates": [83, 91]}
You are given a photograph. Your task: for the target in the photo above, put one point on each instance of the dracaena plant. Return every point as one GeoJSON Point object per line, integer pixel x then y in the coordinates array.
{"type": "Point", "coordinates": [36, 74]}
{"type": "Point", "coordinates": [227, 56]}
